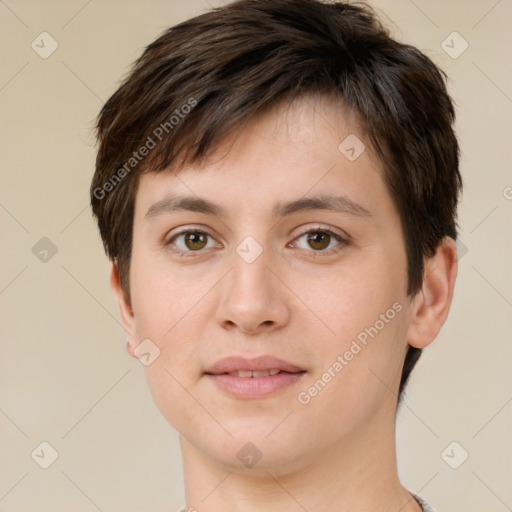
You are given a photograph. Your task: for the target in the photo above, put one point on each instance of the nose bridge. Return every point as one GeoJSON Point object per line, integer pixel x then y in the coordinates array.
{"type": "Point", "coordinates": [250, 276]}
{"type": "Point", "coordinates": [250, 298]}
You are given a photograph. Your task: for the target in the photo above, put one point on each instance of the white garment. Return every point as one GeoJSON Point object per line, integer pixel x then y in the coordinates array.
{"type": "Point", "coordinates": [424, 505]}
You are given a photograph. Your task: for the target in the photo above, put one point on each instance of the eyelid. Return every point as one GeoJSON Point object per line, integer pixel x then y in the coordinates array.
{"type": "Point", "coordinates": [343, 236]}
{"type": "Point", "coordinates": [186, 229]}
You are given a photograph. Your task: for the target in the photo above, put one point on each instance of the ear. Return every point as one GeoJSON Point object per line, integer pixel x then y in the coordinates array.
{"type": "Point", "coordinates": [432, 304]}
{"type": "Point", "coordinates": [125, 310]}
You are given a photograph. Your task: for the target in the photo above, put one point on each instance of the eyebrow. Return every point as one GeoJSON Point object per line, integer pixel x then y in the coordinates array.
{"type": "Point", "coordinates": [339, 204]}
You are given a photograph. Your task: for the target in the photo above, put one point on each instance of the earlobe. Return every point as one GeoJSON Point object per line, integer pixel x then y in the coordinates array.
{"type": "Point", "coordinates": [130, 347]}
{"type": "Point", "coordinates": [125, 310]}
{"type": "Point", "coordinates": [432, 303]}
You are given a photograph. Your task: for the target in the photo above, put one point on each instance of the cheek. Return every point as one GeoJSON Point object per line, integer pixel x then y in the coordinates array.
{"type": "Point", "coordinates": [163, 307]}
{"type": "Point", "coordinates": [365, 315]}
{"type": "Point", "coordinates": [360, 371]}
{"type": "Point", "coordinates": [167, 312]}
{"type": "Point", "coordinates": [349, 300]}
{"type": "Point", "coordinates": [160, 296]}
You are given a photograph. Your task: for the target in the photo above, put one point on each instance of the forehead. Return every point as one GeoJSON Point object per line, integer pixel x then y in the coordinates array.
{"type": "Point", "coordinates": [312, 147]}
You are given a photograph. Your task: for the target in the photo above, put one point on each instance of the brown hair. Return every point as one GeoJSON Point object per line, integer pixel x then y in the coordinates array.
{"type": "Point", "coordinates": [207, 75]}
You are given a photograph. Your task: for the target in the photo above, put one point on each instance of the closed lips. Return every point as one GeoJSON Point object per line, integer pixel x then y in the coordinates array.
{"type": "Point", "coordinates": [262, 366]}
{"type": "Point", "coordinates": [256, 378]}
{"type": "Point", "coordinates": [249, 373]}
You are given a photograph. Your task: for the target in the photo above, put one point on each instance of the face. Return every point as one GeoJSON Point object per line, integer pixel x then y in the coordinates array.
{"type": "Point", "coordinates": [322, 288]}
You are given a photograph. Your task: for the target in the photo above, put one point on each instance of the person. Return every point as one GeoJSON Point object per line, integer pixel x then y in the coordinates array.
{"type": "Point", "coordinates": [276, 187]}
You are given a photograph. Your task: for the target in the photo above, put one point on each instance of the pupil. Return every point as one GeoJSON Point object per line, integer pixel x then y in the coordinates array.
{"type": "Point", "coordinates": [195, 238]}
{"type": "Point", "coordinates": [314, 239]}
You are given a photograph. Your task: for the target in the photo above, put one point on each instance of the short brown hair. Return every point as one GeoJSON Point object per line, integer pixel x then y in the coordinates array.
{"type": "Point", "coordinates": [207, 75]}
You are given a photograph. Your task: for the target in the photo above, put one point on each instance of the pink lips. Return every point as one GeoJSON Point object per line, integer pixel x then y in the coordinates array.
{"type": "Point", "coordinates": [255, 386]}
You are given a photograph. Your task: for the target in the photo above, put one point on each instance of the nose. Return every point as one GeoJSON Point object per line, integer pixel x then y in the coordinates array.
{"type": "Point", "coordinates": [254, 299]}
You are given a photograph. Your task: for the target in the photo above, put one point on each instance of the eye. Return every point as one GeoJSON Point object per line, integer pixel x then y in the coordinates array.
{"type": "Point", "coordinates": [320, 239]}
{"type": "Point", "coordinates": [191, 240]}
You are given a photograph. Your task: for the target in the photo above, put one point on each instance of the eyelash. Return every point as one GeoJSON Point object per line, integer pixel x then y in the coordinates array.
{"type": "Point", "coordinates": [342, 241]}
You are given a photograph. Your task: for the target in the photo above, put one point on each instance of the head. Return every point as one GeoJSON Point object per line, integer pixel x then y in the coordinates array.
{"type": "Point", "coordinates": [263, 102]}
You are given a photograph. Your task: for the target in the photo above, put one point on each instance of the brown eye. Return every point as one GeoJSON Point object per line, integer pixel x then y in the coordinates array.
{"type": "Point", "coordinates": [190, 241]}
{"type": "Point", "coordinates": [195, 240]}
{"type": "Point", "coordinates": [319, 240]}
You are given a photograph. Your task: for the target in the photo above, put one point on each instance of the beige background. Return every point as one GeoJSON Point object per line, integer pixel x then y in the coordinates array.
{"type": "Point", "coordinates": [65, 376]}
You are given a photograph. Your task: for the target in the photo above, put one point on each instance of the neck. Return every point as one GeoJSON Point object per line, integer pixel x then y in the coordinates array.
{"type": "Point", "coordinates": [358, 473]}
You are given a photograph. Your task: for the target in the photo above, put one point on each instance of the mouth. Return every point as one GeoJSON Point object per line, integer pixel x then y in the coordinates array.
{"type": "Point", "coordinates": [253, 378]}
{"type": "Point", "coordinates": [248, 373]}
{"type": "Point", "coordinates": [261, 366]}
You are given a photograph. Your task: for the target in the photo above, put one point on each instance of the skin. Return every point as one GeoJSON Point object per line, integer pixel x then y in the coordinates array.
{"type": "Point", "coordinates": [336, 452]}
